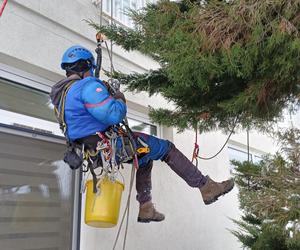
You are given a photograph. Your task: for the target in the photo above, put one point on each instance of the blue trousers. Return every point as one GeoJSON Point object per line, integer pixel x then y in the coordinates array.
{"type": "Point", "coordinates": [158, 148]}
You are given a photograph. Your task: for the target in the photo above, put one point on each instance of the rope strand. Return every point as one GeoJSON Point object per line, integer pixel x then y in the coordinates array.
{"type": "Point", "coordinates": [128, 208]}
{"type": "Point", "coordinates": [215, 155]}
{"type": "Point", "coordinates": [3, 7]}
{"type": "Point", "coordinates": [125, 212]}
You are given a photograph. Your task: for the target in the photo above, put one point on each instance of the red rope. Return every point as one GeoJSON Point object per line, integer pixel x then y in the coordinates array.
{"type": "Point", "coordinates": [136, 162]}
{"type": "Point", "coordinates": [196, 147]}
{"type": "Point", "coordinates": [3, 7]}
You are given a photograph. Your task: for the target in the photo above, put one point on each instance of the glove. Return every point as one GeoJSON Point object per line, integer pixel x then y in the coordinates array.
{"type": "Point", "coordinates": [107, 86]}
{"type": "Point", "coordinates": [119, 95]}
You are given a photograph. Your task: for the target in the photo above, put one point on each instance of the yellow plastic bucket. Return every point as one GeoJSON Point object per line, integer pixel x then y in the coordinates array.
{"type": "Point", "coordinates": [102, 210]}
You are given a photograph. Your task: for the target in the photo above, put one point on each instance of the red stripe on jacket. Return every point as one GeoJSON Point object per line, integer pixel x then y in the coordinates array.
{"type": "Point", "coordinates": [99, 104]}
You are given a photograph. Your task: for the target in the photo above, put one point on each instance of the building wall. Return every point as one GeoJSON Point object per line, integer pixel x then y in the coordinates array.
{"type": "Point", "coordinates": [33, 36]}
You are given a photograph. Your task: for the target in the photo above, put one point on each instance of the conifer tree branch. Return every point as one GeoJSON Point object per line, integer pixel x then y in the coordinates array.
{"type": "Point", "coordinates": [225, 58]}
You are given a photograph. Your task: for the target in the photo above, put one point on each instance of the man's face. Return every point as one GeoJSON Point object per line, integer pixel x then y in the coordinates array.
{"type": "Point", "coordinates": [88, 73]}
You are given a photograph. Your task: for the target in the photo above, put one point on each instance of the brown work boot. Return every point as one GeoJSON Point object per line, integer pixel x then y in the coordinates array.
{"type": "Point", "coordinates": [212, 190]}
{"type": "Point", "coordinates": [148, 213]}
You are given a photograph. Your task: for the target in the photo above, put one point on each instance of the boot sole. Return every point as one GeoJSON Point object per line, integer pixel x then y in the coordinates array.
{"type": "Point", "coordinates": [147, 220]}
{"type": "Point", "coordinates": [216, 198]}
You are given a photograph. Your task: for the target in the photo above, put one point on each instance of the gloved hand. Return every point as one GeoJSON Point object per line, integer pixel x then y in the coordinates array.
{"type": "Point", "coordinates": [119, 95]}
{"type": "Point", "coordinates": [107, 86]}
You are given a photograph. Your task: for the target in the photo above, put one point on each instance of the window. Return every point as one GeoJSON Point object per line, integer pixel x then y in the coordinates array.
{"type": "Point", "coordinates": [143, 127]}
{"type": "Point", "coordinates": [241, 155]}
{"type": "Point", "coordinates": [257, 158]}
{"type": "Point", "coordinates": [120, 8]}
{"type": "Point", "coordinates": [238, 154]}
{"type": "Point", "coordinates": [24, 100]}
{"type": "Point", "coordinates": [26, 107]}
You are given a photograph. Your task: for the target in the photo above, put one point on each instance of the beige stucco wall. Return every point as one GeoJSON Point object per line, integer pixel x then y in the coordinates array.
{"type": "Point", "coordinates": [33, 36]}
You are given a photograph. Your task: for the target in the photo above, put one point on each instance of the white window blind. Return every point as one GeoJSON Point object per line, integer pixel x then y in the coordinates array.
{"type": "Point", "coordinates": [36, 195]}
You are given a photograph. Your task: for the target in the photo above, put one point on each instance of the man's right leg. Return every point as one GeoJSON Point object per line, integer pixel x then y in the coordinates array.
{"type": "Point", "coordinates": [147, 211]}
{"type": "Point", "coordinates": [143, 183]}
{"type": "Point", "coordinates": [183, 167]}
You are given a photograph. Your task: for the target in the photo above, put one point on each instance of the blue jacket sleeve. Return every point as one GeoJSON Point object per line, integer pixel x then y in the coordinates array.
{"type": "Point", "coordinates": [101, 105]}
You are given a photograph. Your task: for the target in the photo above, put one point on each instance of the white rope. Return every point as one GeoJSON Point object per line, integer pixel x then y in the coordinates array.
{"type": "Point", "coordinates": [126, 211]}
{"type": "Point", "coordinates": [128, 206]}
{"type": "Point", "coordinates": [110, 58]}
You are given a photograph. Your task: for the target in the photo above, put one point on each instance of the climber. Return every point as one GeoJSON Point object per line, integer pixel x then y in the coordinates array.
{"type": "Point", "coordinates": [90, 108]}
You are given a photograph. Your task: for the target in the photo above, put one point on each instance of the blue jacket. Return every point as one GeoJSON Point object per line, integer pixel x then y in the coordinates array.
{"type": "Point", "coordinates": [89, 108]}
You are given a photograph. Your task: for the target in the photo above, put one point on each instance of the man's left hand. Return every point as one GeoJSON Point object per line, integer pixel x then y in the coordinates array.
{"type": "Point", "coordinates": [119, 95]}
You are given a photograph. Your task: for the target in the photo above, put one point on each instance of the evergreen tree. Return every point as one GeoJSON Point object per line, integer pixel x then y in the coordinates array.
{"type": "Point", "coordinates": [220, 60]}
{"type": "Point", "coordinates": [269, 194]}
{"type": "Point", "coordinates": [223, 61]}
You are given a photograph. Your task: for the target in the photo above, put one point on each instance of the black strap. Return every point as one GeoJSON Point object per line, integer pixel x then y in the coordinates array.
{"type": "Point", "coordinates": [95, 180]}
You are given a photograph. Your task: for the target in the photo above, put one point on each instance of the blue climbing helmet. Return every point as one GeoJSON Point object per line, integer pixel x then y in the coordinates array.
{"type": "Point", "coordinates": [77, 59]}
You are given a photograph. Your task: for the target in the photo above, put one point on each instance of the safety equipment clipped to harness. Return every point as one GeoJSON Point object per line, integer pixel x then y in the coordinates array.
{"type": "Point", "coordinates": [103, 194]}
{"type": "Point", "coordinates": [102, 208]}
{"type": "Point", "coordinates": [73, 156]}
